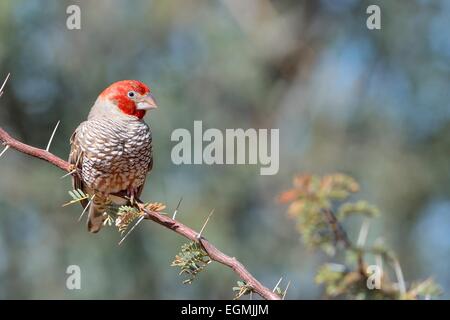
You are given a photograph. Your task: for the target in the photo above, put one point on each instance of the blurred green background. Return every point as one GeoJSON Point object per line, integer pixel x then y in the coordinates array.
{"type": "Point", "coordinates": [372, 104]}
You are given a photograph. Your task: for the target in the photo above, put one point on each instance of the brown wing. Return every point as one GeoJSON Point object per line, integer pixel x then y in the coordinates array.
{"type": "Point", "coordinates": [150, 167]}
{"type": "Point", "coordinates": [76, 158]}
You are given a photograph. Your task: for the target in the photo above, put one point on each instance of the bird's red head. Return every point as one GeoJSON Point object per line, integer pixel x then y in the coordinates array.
{"type": "Point", "coordinates": [132, 97]}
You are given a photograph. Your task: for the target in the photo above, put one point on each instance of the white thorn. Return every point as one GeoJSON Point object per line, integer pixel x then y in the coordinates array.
{"type": "Point", "coordinates": [78, 159]}
{"type": "Point", "coordinates": [176, 209]}
{"type": "Point", "coordinates": [399, 275]}
{"type": "Point", "coordinates": [85, 208]}
{"type": "Point", "coordinates": [4, 83]}
{"type": "Point", "coordinates": [4, 150]}
{"type": "Point", "coordinates": [278, 283]}
{"type": "Point", "coordinates": [68, 174]}
{"type": "Point", "coordinates": [51, 138]}
{"type": "Point", "coordinates": [363, 232]}
{"type": "Point", "coordinates": [379, 261]}
{"type": "Point", "coordinates": [132, 228]}
{"type": "Point", "coordinates": [204, 225]}
{"type": "Point", "coordinates": [285, 290]}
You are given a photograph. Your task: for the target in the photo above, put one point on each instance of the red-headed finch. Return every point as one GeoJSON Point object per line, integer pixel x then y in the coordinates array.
{"type": "Point", "coordinates": [112, 149]}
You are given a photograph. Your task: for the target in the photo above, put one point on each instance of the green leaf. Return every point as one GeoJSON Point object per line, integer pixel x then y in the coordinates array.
{"type": "Point", "coordinates": [358, 208]}
{"type": "Point", "coordinates": [192, 259]}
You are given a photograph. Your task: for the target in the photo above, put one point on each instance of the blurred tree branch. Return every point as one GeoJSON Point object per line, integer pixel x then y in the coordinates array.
{"type": "Point", "coordinates": [311, 202]}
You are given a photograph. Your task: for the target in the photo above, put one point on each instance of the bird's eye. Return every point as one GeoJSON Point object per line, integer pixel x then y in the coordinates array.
{"type": "Point", "coordinates": [131, 94]}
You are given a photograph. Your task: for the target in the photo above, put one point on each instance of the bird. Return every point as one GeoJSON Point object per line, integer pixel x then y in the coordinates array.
{"type": "Point", "coordinates": [111, 152]}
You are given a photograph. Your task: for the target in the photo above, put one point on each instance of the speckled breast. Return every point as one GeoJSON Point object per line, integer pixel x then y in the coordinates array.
{"type": "Point", "coordinates": [116, 153]}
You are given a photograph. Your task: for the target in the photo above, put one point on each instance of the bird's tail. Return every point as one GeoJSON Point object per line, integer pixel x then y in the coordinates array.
{"type": "Point", "coordinates": [96, 217]}
{"type": "Point", "coordinates": [98, 208]}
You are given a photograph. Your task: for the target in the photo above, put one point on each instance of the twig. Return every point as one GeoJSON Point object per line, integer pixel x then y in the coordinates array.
{"type": "Point", "coordinates": [34, 152]}
{"type": "Point", "coordinates": [214, 253]}
{"type": "Point", "coordinates": [341, 235]}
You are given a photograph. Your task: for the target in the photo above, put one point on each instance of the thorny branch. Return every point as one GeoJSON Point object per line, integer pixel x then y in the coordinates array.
{"type": "Point", "coordinates": [341, 236]}
{"type": "Point", "coordinates": [183, 230]}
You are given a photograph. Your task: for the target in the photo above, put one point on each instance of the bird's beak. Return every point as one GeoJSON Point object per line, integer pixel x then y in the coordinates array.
{"type": "Point", "coordinates": [146, 102]}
